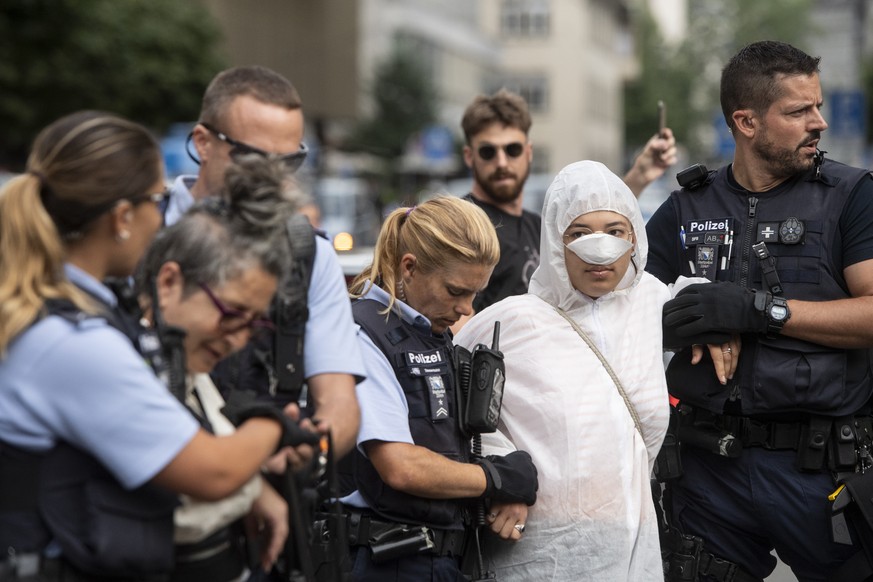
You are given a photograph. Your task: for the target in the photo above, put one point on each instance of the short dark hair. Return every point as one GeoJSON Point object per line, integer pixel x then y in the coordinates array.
{"type": "Point", "coordinates": [751, 78]}
{"type": "Point", "coordinates": [505, 107]}
{"type": "Point", "coordinates": [261, 83]}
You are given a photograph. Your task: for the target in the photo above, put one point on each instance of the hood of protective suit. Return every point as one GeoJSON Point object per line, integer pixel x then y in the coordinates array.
{"type": "Point", "coordinates": [578, 189]}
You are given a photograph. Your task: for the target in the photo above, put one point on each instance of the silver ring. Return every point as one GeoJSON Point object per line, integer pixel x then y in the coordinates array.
{"type": "Point", "coordinates": [727, 351]}
{"type": "Point", "coordinates": [492, 515]}
{"type": "Point", "coordinates": [519, 527]}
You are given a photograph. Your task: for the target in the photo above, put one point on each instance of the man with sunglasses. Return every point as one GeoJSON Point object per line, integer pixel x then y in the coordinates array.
{"type": "Point", "coordinates": [499, 154]}
{"type": "Point", "coordinates": [254, 110]}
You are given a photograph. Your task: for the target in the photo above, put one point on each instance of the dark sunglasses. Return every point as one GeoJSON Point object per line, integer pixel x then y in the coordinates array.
{"type": "Point", "coordinates": [238, 148]}
{"type": "Point", "coordinates": [233, 320]}
{"type": "Point", "coordinates": [487, 151]}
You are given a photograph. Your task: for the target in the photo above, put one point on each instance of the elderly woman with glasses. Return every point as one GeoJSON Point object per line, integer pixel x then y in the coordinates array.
{"type": "Point", "coordinates": [585, 389]}
{"type": "Point", "coordinates": [213, 275]}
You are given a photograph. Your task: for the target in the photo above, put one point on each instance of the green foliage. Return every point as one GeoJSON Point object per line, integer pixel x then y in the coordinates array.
{"type": "Point", "coordinates": [148, 60]}
{"type": "Point", "coordinates": [687, 76]}
{"type": "Point", "coordinates": [405, 102]}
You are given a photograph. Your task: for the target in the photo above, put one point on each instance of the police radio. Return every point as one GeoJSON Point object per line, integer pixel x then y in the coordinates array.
{"type": "Point", "coordinates": [481, 375]}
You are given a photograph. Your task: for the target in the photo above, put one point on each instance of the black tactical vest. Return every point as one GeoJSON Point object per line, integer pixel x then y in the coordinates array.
{"type": "Point", "coordinates": [425, 370]}
{"type": "Point", "coordinates": [272, 365]}
{"type": "Point", "coordinates": [65, 494]}
{"type": "Point", "coordinates": [799, 224]}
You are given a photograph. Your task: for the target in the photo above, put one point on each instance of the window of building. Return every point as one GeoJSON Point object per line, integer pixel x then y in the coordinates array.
{"type": "Point", "coordinates": [524, 17]}
{"type": "Point", "coordinates": [534, 89]}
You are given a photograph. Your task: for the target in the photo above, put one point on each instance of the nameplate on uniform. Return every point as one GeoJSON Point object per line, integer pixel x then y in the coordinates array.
{"type": "Point", "coordinates": [429, 363]}
{"type": "Point", "coordinates": [711, 231]}
{"type": "Point", "coordinates": [710, 242]}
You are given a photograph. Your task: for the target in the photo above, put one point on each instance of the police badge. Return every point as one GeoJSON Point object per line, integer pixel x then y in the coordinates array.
{"type": "Point", "coordinates": [706, 257]}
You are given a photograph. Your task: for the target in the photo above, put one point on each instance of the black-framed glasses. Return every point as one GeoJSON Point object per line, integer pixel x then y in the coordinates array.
{"type": "Point", "coordinates": [238, 148]}
{"type": "Point", "coordinates": [233, 320]}
{"type": "Point", "coordinates": [488, 151]}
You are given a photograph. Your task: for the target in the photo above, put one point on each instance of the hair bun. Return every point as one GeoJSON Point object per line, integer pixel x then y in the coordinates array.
{"type": "Point", "coordinates": [260, 192]}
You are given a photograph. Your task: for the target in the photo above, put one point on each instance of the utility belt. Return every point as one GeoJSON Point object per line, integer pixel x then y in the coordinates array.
{"type": "Point", "coordinates": [822, 443]}
{"type": "Point", "coordinates": [217, 557]}
{"type": "Point", "coordinates": [34, 567]}
{"type": "Point", "coordinates": [390, 540]}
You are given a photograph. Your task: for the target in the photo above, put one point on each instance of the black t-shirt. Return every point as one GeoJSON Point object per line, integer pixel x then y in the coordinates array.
{"type": "Point", "coordinates": [855, 244]}
{"type": "Point", "coordinates": [519, 238]}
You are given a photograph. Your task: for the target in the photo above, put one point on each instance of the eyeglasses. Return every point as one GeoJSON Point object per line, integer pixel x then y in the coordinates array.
{"type": "Point", "coordinates": [233, 320]}
{"type": "Point", "coordinates": [238, 148]}
{"type": "Point", "coordinates": [616, 231]}
{"type": "Point", "coordinates": [488, 151]}
{"type": "Point", "coordinates": [158, 198]}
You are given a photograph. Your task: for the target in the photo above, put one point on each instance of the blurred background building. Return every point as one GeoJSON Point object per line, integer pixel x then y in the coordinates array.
{"type": "Point", "coordinates": [573, 61]}
{"type": "Point", "coordinates": [568, 58]}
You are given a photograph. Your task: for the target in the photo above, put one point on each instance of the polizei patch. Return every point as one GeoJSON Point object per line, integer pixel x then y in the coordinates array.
{"type": "Point", "coordinates": [424, 358]}
{"type": "Point", "coordinates": [429, 363]}
{"type": "Point", "coordinates": [710, 231]}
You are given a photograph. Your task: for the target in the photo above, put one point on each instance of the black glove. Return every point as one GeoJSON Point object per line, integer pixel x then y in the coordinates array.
{"type": "Point", "coordinates": [674, 341]}
{"type": "Point", "coordinates": [242, 406]}
{"type": "Point", "coordinates": [512, 479]}
{"type": "Point", "coordinates": [704, 308]}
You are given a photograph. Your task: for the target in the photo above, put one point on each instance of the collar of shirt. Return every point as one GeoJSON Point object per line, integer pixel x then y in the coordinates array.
{"type": "Point", "coordinates": [406, 313]}
{"type": "Point", "coordinates": [89, 284]}
{"type": "Point", "coordinates": [180, 199]}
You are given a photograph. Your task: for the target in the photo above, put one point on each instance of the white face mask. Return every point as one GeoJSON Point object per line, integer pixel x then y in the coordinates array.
{"type": "Point", "coordinates": [600, 248]}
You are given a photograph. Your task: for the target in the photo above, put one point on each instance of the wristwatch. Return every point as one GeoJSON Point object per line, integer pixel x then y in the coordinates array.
{"type": "Point", "coordinates": [777, 314]}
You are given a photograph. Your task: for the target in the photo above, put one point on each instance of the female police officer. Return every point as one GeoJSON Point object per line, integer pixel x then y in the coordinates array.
{"type": "Point", "coordinates": [90, 440]}
{"type": "Point", "coordinates": [413, 467]}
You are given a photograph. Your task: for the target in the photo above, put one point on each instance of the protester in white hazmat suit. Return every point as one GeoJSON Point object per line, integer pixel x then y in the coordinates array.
{"type": "Point", "coordinates": [593, 442]}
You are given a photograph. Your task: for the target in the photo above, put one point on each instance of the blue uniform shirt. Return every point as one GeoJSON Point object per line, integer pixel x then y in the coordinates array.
{"type": "Point", "coordinates": [85, 384]}
{"type": "Point", "coordinates": [330, 345]}
{"type": "Point", "coordinates": [384, 409]}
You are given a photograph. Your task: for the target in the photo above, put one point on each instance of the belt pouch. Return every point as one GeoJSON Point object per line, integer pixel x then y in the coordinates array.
{"type": "Point", "coordinates": [842, 455]}
{"type": "Point", "coordinates": [811, 448]}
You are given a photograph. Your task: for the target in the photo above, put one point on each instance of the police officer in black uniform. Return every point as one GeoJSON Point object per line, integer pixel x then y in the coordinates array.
{"type": "Point", "coordinates": [786, 237]}
{"type": "Point", "coordinates": [414, 475]}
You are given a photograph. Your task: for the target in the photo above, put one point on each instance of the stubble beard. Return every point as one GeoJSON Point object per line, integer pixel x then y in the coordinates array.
{"type": "Point", "coordinates": [501, 194]}
{"type": "Point", "coordinates": [783, 161]}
